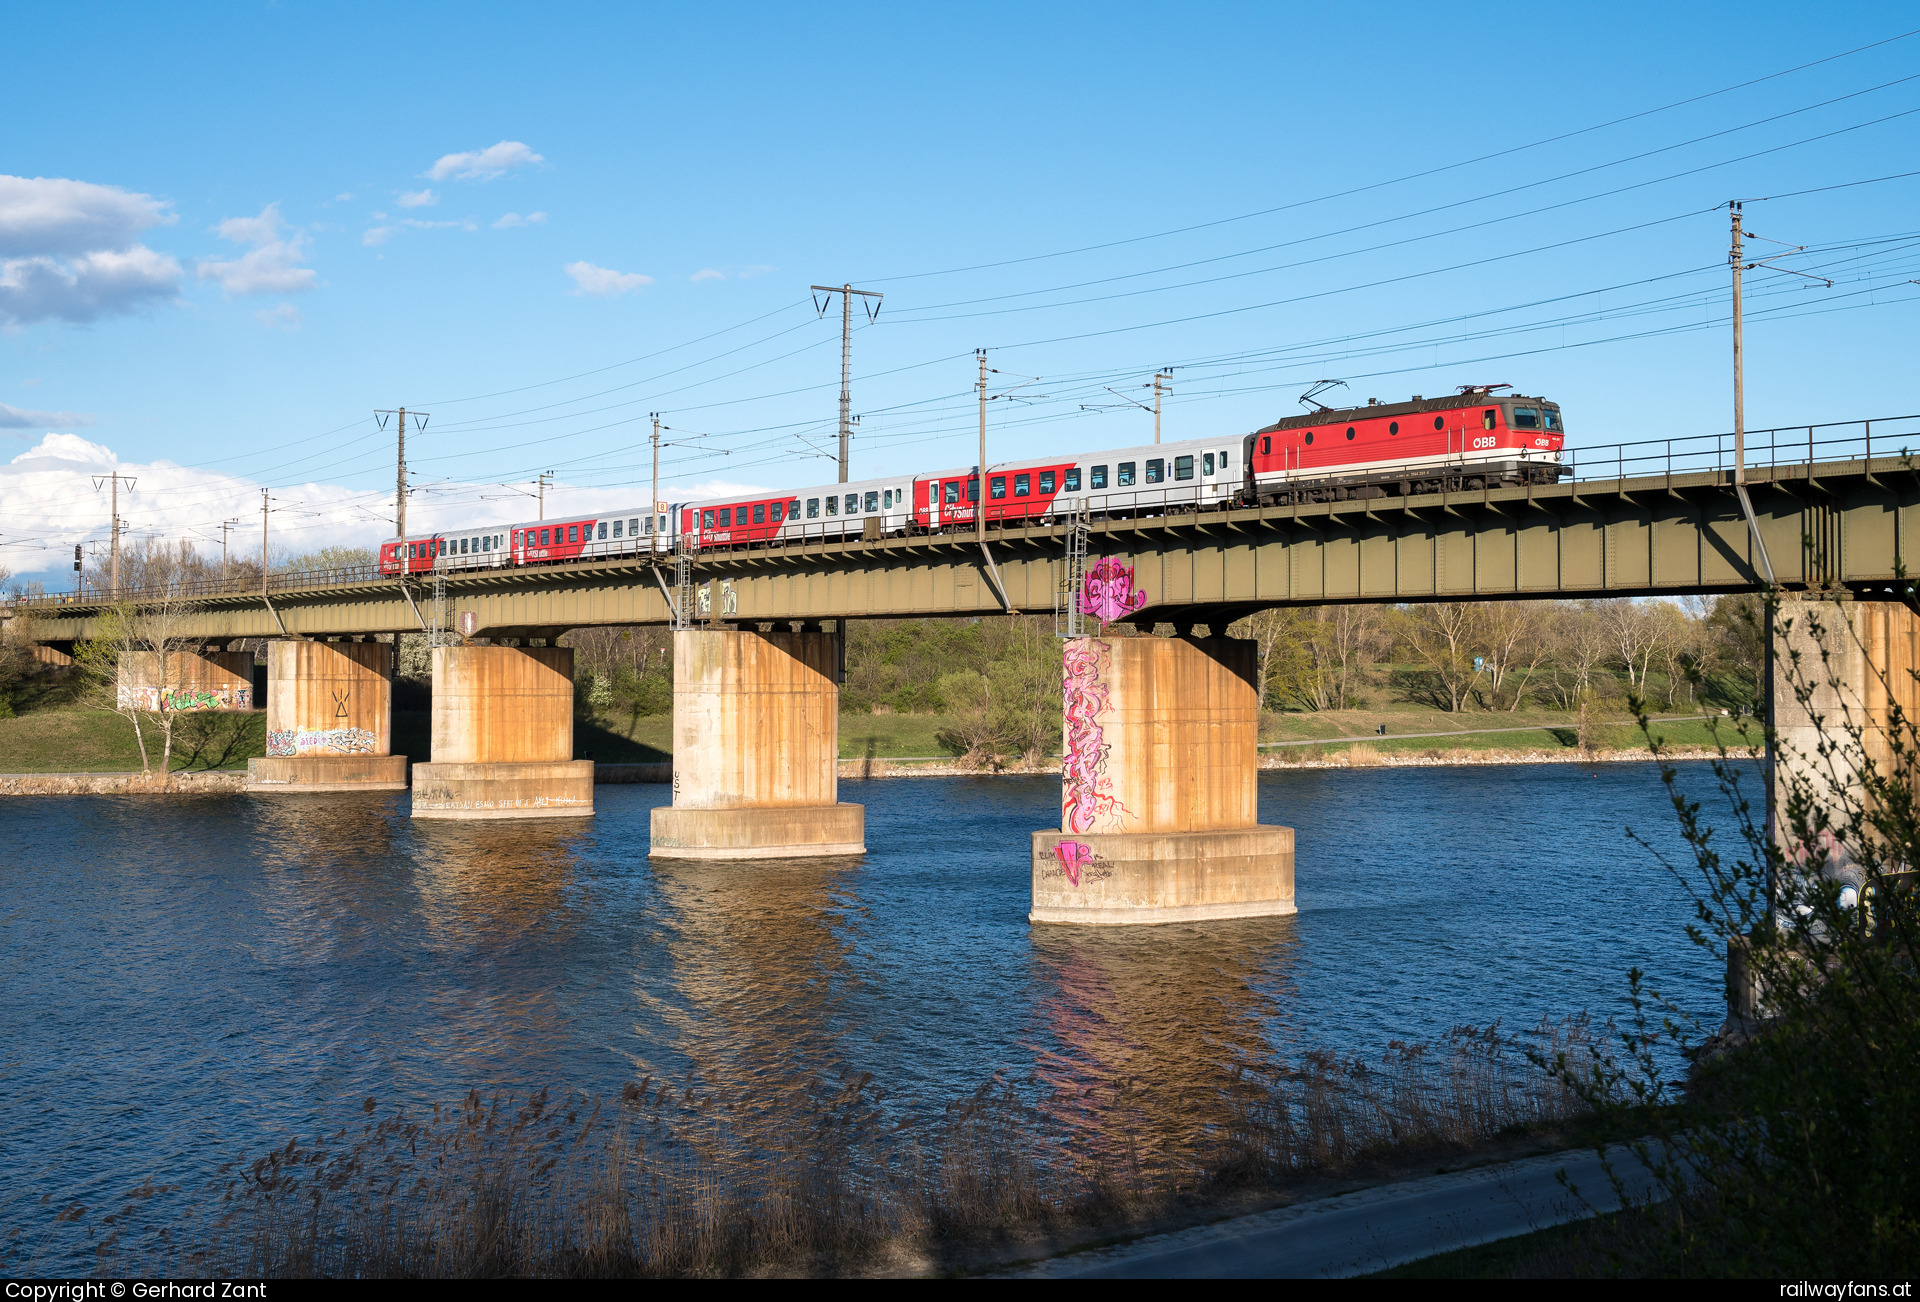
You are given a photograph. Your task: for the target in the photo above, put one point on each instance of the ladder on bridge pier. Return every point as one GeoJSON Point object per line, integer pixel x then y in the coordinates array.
{"type": "Point", "coordinates": [1068, 619]}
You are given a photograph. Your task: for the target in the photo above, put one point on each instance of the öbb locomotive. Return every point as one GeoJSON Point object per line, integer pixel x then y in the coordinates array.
{"type": "Point", "coordinates": [1466, 441]}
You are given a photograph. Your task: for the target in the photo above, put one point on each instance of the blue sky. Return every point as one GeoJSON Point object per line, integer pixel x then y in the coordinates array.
{"type": "Point", "coordinates": [231, 233]}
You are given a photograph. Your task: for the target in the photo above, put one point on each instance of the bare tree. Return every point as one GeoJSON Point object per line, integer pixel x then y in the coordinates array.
{"type": "Point", "coordinates": [1440, 635]}
{"type": "Point", "coordinates": [1344, 642]}
{"type": "Point", "coordinates": [1630, 627]}
{"type": "Point", "coordinates": [141, 661]}
{"type": "Point", "coordinates": [1676, 639]}
{"type": "Point", "coordinates": [1581, 643]}
{"type": "Point", "coordinates": [1286, 669]}
{"type": "Point", "coordinates": [1512, 635]}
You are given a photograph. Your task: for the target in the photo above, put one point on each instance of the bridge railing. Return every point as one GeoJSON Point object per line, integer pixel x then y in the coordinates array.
{"type": "Point", "coordinates": [1787, 448]}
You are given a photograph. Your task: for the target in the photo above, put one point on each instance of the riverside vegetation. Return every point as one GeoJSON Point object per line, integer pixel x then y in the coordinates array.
{"type": "Point", "coordinates": [829, 1177]}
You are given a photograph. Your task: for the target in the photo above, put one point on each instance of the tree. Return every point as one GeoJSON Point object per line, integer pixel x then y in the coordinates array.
{"type": "Point", "coordinates": [1440, 636]}
{"type": "Point", "coordinates": [1285, 669]}
{"type": "Point", "coordinates": [1580, 644]}
{"type": "Point", "coordinates": [1512, 637]}
{"type": "Point", "coordinates": [1630, 627]}
{"type": "Point", "coordinates": [1343, 642]}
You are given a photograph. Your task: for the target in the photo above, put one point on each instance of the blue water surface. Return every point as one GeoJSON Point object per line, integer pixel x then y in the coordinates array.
{"type": "Point", "coordinates": [188, 980]}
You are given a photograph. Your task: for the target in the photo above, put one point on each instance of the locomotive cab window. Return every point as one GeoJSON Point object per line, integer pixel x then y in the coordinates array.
{"type": "Point", "coordinates": [1553, 420]}
{"type": "Point", "coordinates": [1072, 477]}
{"type": "Point", "coordinates": [1526, 418]}
{"type": "Point", "coordinates": [1156, 470]}
{"type": "Point", "coordinates": [1046, 482]}
{"type": "Point", "coordinates": [1099, 474]}
{"type": "Point", "coordinates": [1123, 477]}
{"type": "Point", "coordinates": [1488, 418]}
{"type": "Point", "coordinates": [1022, 485]}
{"type": "Point", "coordinates": [1183, 467]}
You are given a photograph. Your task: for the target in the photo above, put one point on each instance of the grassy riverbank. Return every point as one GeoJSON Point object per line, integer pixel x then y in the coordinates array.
{"type": "Point", "coordinates": [63, 737]}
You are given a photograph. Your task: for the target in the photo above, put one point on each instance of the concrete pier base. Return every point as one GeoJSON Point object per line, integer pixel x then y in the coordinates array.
{"type": "Point", "coordinates": [292, 775]}
{"type": "Point", "coordinates": [1119, 879]}
{"type": "Point", "coordinates": [329, 720]}
{"type": "Point", "coordinates": [756, 740]}
{"type": "Point", "coordinates": [502, 737]}
{"type": "Point", "coordinates": [788, 832]}
{"type": "Point", "coordinates": [1158, 804]}
{"type": "Point", "coordinates": [549, 789]}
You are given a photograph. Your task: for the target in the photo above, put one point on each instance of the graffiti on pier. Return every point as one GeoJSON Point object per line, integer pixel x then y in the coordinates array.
{"type": "Point", "coordinates": [1078, 862]}
{"type": "Point", "coordinates": [320, 741]}
{"type": "Point", "coordinates": [156, 699]}
{"type": "Point", "coordinates": [1107, 593]}
{"type": "Point", "coordinates": [1083, 772]}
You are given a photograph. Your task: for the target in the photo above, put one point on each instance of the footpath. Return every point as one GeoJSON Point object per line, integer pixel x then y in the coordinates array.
{"type": "Point", "coordinates": [1370, 1229]}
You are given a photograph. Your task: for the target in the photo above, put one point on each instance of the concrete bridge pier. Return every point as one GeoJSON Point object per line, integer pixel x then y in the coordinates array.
{"type": "Point", "coordinates": [329, 720]}
{"type": "Point", "coordinates": [196, 678]}
{"type": "Point", "coordinates": [502, 736]}
{"type": "Point", "coordinates": [756, 744]}
{"type": "Point", "coordinates": [1158, 820]}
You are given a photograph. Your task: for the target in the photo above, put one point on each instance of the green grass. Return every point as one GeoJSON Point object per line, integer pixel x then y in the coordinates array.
{"type": "Point", "coordinates": [74, 739]}
{"type": "Point", "coordinates": [649, 737]}
{"type": "Point", "coordinates": [1471, 730]}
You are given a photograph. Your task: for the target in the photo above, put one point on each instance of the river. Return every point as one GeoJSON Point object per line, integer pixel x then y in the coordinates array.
{"type": "Point", "coordinates": [190, 980]}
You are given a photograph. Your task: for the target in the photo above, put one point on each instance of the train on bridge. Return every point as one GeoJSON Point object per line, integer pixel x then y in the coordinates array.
{"type": "Point", "coordinates": [1465, 441]}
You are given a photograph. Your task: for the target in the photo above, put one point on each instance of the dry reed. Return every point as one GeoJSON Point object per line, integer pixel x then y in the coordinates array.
{"type": "Point", "coordinates": [669, 1182]}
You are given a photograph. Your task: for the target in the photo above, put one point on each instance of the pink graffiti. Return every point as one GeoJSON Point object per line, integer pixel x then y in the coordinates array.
{"type": "Point", "coordinates": [1108, 592]}
{"type": "Point", "coordinates": [1083, 771]}
{"type": "Point", "coordinates": [1073, 857]}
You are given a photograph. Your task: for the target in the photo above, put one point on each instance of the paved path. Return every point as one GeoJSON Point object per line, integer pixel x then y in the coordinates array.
{"type": "Point", "coordinates": [1368, 1230]}
{"type": "Point", "coordinates": [1468, 732]}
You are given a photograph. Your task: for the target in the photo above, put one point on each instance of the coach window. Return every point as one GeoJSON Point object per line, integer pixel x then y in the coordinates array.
{"type": "Point", "coordinates": [1070, 480]}
{"type": "Point", "coordinates": [706, 520]}
{"type": "Point", "coordinates": [813, 508]}
{"type": "Point", "coordinates": [617, 530]}
{"type": "Point", "coordinates": [1046, 482]}
{"type": "Point", "coordinates": [573, 533]}
{"type": "Point", "coordinates": [950, 494]}
{"type": "Point", "coordinates": [603, 530]}
{"type": "Point", "coordinates": [1123, 475]}
{"type": "Point", "coordinates": [886, 498]}
{"type": "Point", "coordinates": [1156, 470]}
{"type": "Point", "coordinates": [662, 528]}
{"type": "Point", "coordinates": [779, 511]}
{"type": "Point", "coordinates": [833, 505]}
{"type": "Point", "coordinates": [1526, 418]}
{"type": "Point", "coordinates": [543, 537]}
{"type": "Point", "coordinates": [1206, 464]}
{"type": "Point", "coordinates": [1349, 433]}
{"type": "Point", "coordinates": [973, 489]}
{"type": "Point", "coordinates": [1022, 485]}
{"type": "Point", "coordinates": [853, 503]}
{"type": "Point", "coordinates": [759, 513]}
{"type": "Point", "coordinates": [873, 501]}
{"type": "Point", "coordinates": [1183, 467]}
{"type": "Point", "coordinates": [1486, 418]}
{"type": "Point", "coordinates": [999, 489]}
{"type": "Point", "coordinates": [1097, 477]}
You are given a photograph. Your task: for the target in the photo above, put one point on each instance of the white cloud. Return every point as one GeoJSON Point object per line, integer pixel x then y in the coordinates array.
{"type": "Point", "coordinates": [49, 215]}
{"type": "Point", "coordinates": [85, 288]}
{"type": "Point", "coordinates": [284, 317]}
{"type": "Point", "coordinates": [270, 267]}
{"type": "Point", "coordinates": [27, 418]}
{"type": "Point", "coordinates": [487, 164]}
{"type": "Point", "coordinates": [376, 236]}
{"type": "Point", "coordinates": [343, 197]}
{"type": "Point", "coordinates": [757, 269]}
{"type": "Point", "coordinates": [418, 199]}
{"type": "Point", "coordinates": [509, 220]}
{"type": "Point", "coordinates": [68, 251]}
{"type": "Point", "coordinates": [590, 279]}
{"type": "Point", "coordinates": [706, 273]}
{"type": "Point", "coordinates": [419, 225]}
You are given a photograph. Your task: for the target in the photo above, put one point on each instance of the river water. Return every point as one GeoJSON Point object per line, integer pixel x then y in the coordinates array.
{"type": "Point", "coordinates": [191, 980]}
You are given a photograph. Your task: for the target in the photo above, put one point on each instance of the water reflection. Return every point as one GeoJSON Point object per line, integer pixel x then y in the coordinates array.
{"type": "Point", "coordinates": [762, 981]}
{"type": "Point", "coordinates": [1141, 1029]}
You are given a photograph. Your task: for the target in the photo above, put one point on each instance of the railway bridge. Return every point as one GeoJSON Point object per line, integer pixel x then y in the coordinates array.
{"type": "Point", "coordinates": [1158, 818]}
